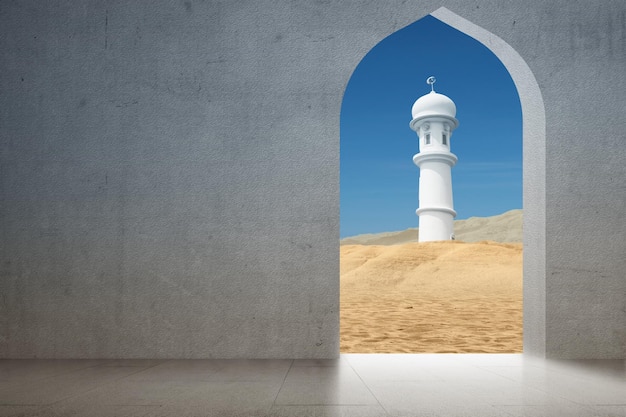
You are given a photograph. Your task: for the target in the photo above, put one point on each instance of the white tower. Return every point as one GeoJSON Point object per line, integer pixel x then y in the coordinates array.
{"type": "Point", "coordinates": [433, 121]}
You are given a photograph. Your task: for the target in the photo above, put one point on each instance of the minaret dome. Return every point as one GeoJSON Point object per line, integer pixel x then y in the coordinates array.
{"type": "Point", "coordinates": [433, 104]}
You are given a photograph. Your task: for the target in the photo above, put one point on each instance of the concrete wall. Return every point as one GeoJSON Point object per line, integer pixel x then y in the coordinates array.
{"type": "Point", "coordinates": [169, 173]}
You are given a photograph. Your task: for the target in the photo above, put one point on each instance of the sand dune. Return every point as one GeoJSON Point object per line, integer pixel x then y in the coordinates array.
{"type": "Point", "coordinates": [433, 297]}
{"type": "Point", "coordinates": [506, 227]}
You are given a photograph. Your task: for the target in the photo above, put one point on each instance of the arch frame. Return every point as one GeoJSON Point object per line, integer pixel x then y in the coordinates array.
{"type": "Point", "coordinates": [534, 177]}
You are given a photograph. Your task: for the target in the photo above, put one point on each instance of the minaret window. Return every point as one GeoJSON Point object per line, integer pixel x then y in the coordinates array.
{"type": "Point", "coordinates": [427, 138]}
{"type": "Point", "coordinates": [444, 139]}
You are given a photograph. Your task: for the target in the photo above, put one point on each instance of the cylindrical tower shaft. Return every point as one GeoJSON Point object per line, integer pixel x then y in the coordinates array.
{"type": "Point", "coordinates": [436, 212]}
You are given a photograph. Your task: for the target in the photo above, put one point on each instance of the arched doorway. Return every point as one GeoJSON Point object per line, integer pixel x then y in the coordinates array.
{"type": "Point", "coordinates": [534, 161]}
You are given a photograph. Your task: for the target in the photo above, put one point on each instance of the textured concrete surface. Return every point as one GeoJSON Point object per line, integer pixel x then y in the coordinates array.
{"type": "Point", "coordinates": [169, 172]}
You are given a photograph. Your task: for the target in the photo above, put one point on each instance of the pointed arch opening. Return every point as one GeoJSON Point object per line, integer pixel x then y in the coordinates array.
{"type": "Point", "coordinates": [533, 169]}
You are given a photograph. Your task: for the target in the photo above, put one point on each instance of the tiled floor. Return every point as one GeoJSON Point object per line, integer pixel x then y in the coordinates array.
{"type": "Point", "coordinates": [354, 385]}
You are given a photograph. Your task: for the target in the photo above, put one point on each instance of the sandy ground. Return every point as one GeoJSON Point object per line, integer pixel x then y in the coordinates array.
{"type": "Point", "coordinates": [431, 297]}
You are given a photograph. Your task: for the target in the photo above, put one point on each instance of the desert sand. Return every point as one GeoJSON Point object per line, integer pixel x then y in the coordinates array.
{"type": "Point", "coordinates": [506, 227]}
{"type": "Point", "coordinates": [452, 297]}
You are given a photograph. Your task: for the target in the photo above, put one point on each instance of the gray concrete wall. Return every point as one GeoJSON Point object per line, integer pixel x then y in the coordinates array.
{"type": "Point", "coordinates": [169, 173]}
{"type": "Point", "coordinates": [584, 86]}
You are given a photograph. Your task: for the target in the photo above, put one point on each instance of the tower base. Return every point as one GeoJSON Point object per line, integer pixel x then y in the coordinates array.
{"type": "Point", "coordinates": [435, 225]}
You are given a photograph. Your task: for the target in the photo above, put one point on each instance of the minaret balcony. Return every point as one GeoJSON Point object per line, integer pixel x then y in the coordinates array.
{"type": "Point", "coordinates": [435, 156]}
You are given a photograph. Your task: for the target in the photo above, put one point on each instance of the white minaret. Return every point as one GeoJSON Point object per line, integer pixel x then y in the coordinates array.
{"type": "Point", "coordinates": [433, 121]}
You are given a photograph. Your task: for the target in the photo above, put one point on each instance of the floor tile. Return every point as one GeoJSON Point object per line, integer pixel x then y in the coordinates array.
{"type": "Point", "coordinates": [130, 393]}
{"type": "Point", "coordinates": [327, 411]}
{"type": "Point", "coordinates": [494, 359]}
{"type": "Point", "coordinates": [217, 370]}
{"type": "Point", "coordinates": [233, 395]}
{"type": "Point", "coordinates": [392, 368]}
{"type": "Point", "coordinates": [15, 371]}
{"type": "Point", "coordinates": [468, 374]}
{"type": "Point", "coordinates": [585, 392]}
{"type": "Point", "coordinates": [191, 410]}
{"type": "Point", "coordinates": [223, 399]}
{"type": "Point", "coordinates": [320, 362]}
{"type": "Point", "coordinates": [551, 410]}
{"type": "Point", "coordinates": [92, 411]}
{"type": "Point", "coordinates": [56, 388]}
{"type": "Point", "coordinates": [446, 410]}
{"type": "Point", "coordinates": [520, 374]}
{"type": "Point", "coordinates": [141, 363]}
{"type": "Point", "coordinates": [421, 360]}
{"type": "Point", "coordinates": [324, 386]}
{"type": "Point", "coordinates": [17, 410]}
{"type": "Point", "coordinates": [589, 368]}
{"type": "Point", "coordinates": [585, 389]}
{"type": "Point", "coordinates": [608, 410]}
{"type": "Point", "coordinates": [407, 396]}
{"type": "Point", "coordinates": [506, 393]}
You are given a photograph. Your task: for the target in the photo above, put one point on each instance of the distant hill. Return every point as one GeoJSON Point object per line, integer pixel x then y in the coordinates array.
{"type": "Point", "coordinates": [505, 228]}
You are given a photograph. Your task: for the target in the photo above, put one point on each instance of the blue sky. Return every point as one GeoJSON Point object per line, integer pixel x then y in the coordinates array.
{"type": "Point", "coordinates": [378, 180]}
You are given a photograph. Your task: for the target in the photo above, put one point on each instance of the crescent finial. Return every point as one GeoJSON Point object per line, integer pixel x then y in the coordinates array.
{"type": "Point", "coordinates": [431, 81]}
